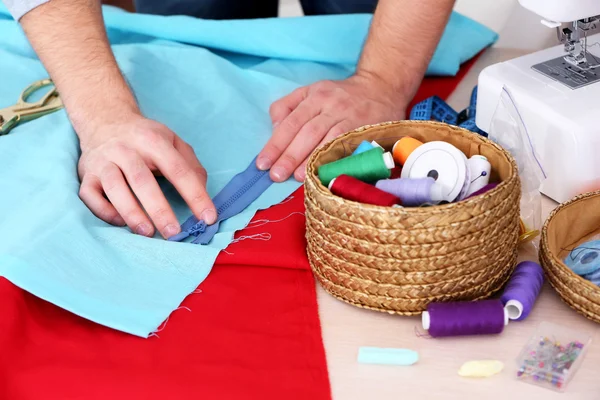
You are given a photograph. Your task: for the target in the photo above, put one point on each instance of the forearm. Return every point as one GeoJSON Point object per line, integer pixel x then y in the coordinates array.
{"type": "Point", "coordinates": [403, 37]}
{"type": "Point", "coordinates": [70, 40]}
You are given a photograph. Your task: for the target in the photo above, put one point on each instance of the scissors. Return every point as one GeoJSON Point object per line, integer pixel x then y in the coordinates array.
{"type": "Point", "coordinates": [24, 111]}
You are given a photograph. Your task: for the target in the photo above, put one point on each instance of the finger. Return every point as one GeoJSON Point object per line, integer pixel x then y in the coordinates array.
{"type": "Point", "coordinates": [283, 107]}
{"type": "Point", "coordinates": [337, 130]}
{"type": "Point", "coordinates": [119, 194]}
{"type": "Point", "coordinates": [285, 132]}
{"type": "Point", "coordinates": [91, 193]}
{"type": "Point", "coordinates": [189, 154]}
{"type": "Point", "coordinates": [309, 136]}
{"type": "Point", "coordinates": [181, 174]}
{"type": "Point", "coordinates": [148, 192]}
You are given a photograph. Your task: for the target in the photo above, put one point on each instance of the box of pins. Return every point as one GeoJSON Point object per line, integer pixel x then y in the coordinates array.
{"type": "Point", "coordinates": [570, 253]}
{"type": "Point", "coordinates": [402, 214]}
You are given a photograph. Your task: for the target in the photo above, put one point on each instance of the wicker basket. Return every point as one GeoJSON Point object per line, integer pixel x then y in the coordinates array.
{"type": "Point", "coordinates": [569, 225]}
{"type": "Point", "coordinates": [399, 260]}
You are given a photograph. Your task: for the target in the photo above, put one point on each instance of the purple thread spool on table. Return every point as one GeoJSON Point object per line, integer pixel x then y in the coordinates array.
{"type": "Point", "coordinates": [523, 289]}
{"type": "Point", "coordinates": [483, 317]}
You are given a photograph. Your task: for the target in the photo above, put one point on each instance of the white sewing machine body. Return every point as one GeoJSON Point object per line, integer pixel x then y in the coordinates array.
{"type": "Point", "coordinates": [558, 101]}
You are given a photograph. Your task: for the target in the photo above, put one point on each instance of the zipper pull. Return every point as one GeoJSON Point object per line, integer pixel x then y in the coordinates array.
{"type": "Point", "coordinates": [195, 230]}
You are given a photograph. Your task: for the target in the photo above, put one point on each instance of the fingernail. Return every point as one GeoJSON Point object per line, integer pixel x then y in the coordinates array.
{"type": "Point", "coordinates": [263, 163]}
{"type": "Point", "coordinates": [209, 216]}
{"type": "Point", "coordinates": [171, 230]}
{"type": "Point", "coordinates": [142, 229]}
{"type": "Point", "coordinates": [278, 173]}
{"type": "Point", "coordinates": [301, 175]}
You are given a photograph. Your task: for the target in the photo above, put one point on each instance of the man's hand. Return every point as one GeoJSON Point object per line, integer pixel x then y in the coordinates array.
{"type": "Point", "coordinates": [401, 42]}
{"type": "Point", "coordinates": [121, 150]}
{"type": "Point", "coordinates": [313, 115]}
{"type": "Point", "coordinates": [120, 161]}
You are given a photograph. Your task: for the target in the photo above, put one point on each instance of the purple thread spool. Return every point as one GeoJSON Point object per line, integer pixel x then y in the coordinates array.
{"type": "Point", "coordinates": [412, 192]}
{"type": "Point", "coordinates": [482, 317]}
{"type": "Point", "coordinates": [523, 289]}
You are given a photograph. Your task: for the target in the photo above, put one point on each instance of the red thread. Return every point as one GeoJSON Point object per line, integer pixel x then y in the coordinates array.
{"type": "Point", "coordinates": [353, 189]}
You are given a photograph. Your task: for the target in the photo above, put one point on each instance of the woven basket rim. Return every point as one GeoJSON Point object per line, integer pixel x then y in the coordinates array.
{"type": "Point", "coordinates": [437, 209]}
{"type": "Point", "coordinates": [553, 258]}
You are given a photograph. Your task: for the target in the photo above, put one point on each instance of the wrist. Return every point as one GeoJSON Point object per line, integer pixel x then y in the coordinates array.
{"type": "Point", "coordinates": [89, 122]}
{"type": "Point", "coordinates": [395, 90]}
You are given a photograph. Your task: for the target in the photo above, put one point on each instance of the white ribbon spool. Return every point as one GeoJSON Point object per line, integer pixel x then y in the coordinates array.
{"type": "Point", "coordinates": [442, 162]}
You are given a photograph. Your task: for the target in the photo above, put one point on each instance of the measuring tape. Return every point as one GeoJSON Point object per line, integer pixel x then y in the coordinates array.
{"type": "Point", "coordinates": [436, 109]}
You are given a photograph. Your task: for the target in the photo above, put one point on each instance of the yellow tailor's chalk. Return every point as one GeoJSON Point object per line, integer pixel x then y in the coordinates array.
{"type": "Point", "coordinates": [480, 369]}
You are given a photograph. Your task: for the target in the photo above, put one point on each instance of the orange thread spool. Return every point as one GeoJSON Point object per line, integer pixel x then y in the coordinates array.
{"type": "Point", "coordinates": [403, 147]}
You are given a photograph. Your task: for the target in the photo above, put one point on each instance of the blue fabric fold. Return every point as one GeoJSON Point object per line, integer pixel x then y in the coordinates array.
{"type": "Point", "coordinates": [211, 82]}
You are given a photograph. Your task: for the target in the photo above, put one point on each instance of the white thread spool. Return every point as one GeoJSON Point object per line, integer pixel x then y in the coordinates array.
{"type": "Point", "coordinates": [442, 162]}
{"type": "Point", "coordinates": [480, 169]}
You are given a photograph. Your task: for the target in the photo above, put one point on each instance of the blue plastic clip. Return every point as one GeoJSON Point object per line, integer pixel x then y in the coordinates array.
{"type": "Point", "coordinates": [436, 109]}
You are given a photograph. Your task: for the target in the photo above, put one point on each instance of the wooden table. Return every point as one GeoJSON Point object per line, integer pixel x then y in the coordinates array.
{"type": "Point", "coordinates": [346, 328]}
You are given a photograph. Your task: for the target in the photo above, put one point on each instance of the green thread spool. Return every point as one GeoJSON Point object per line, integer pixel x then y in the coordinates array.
{"type": "Point", "coordinates": [369, 166]}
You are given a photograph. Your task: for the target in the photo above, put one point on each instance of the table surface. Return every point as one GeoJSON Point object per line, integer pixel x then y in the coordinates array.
{"type": "Point", "coordinates": [347, 328]}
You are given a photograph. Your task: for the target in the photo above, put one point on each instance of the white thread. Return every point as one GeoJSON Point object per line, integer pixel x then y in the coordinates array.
{"type": "Point", "coordinates": [153, 335]}
{"type": "Point", "coordinates": [259, 236]}
{"type": "Point", "coordinates": [287, 200]}
{"type": "Point", "coordinates": [263, 222]}
{"type": "Point", "coordinates": [183, 307]}
{"type": "Point", "coordinates": [197, 291]}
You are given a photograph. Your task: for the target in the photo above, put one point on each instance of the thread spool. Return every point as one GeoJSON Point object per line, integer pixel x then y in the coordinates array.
{"type": "Point", "coordinates": [479, 169]}
{"type": "Point", "coordinates": [413, 192]}
{"type": "Point", "coordinates": [369, 166]}
{"type": "Point", "coordinates": [365, 146]}
{"type": "Point", "coordinates": [444, 163]}
{"type": "Point", "coordinates": [522, 290]}
{"type": "Point", "coordinates": [484, 317]}
{"type": "Point", "coordinates": [403, 148]}
{"type": "Point", "coordinates": [353, 189]}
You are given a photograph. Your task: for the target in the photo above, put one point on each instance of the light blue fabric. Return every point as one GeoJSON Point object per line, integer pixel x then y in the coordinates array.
{"type": "Point", "coordinates": [217, 100]}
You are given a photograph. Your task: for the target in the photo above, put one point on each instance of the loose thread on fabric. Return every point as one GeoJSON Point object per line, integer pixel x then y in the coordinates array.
{"type": "Point", "coordinates": [263, 222]}
{"type": "Point", "coordinates": [259, 236]}
{"type": "Point", "coordinates": [164, 324]}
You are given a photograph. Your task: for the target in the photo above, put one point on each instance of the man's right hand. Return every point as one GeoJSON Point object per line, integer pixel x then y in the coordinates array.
{"type": "Point", "coordinates": [118, 167]}
{"type": "Point", "coordinates": [121, 150]}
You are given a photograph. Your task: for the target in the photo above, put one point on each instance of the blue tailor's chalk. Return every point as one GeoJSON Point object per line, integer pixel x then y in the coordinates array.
{"type": "Point", "coordinates": [383, 356]}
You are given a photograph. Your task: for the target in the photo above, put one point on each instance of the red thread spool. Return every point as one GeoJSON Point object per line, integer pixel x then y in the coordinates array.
{"type": "Point", "coordinates": [353, 189]}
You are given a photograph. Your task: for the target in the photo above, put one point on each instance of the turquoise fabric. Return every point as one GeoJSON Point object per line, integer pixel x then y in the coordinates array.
{"type": "Point", "coordinates": [212, 82]}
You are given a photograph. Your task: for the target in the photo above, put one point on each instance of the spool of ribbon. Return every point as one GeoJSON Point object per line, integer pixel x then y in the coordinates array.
{"type": "Point", "coordinates": [403, 148]}
{"type": "Point", "coordinates": [365, 146]}
{"type": "Point", "coordinates": [413, 192]}
{"type": "Point", "coordinates": [353, 189]}
{"type": "Point", "coordinates": [585, 258]}
{"type": "Point", "coordinates": [369, 166]}
{"type": "Point", "coordinates": [443, 162]}
{"type": "Point", "coordinates": [482, 317]}
{"type": "Point", "coordinates": [522, 290]}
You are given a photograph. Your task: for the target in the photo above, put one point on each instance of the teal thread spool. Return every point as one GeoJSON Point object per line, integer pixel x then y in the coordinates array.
{"type": "Point", "coordinates": [369, 166]}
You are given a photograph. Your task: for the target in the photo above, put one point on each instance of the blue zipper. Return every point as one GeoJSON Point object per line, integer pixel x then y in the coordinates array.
{"type": "Point", "coordinates": [238, 194]}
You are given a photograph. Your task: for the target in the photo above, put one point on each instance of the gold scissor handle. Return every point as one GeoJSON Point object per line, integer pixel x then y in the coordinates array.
{"type": "Point", "coordinates": [24, 111]}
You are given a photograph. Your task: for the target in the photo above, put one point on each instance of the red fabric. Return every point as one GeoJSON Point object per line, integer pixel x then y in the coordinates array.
{"type": "Point", "coordinates": [252, 333]}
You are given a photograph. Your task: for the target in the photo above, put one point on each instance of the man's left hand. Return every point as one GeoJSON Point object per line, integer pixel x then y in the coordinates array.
{"type": "Point", "coordinates": [314, 115]}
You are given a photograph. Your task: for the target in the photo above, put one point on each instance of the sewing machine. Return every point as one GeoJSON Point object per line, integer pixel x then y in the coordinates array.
{"type": "Point", "coordinates": [557, 94]}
